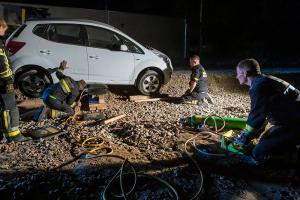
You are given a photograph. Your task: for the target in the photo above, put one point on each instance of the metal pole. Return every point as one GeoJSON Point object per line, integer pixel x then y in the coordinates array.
{"type": "Point", "coordinates": [201, 13]}
{"type": "Point", "coordinates": [106, 8]}
{"type": "Point", "coordinates": [185, 38]}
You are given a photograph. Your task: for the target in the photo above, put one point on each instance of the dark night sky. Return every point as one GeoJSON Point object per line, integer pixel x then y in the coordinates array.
{"type": "Point", "coordinates": [267, 30]}
{"type": "Point", "coordinates": [231, 29]}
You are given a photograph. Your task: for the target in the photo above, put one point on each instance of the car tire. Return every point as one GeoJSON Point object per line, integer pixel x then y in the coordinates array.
{"type": "Point", "coordinates": [32, 82]}
{"type": "Point", "coordinates": [149, 82]}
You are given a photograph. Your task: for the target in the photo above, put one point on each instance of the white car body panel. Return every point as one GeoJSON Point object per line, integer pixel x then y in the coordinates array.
{"type": "Point", "coordinates": [111, 67]}
{"type": "Point", "coordinates": [52, 53]}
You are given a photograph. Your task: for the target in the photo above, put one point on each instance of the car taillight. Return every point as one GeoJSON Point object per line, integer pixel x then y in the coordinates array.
{"type": "Point", "coordinates": [14, 46]}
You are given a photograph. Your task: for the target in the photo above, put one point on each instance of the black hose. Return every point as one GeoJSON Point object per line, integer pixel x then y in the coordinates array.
{"type": "Point", "coordinates": [201, 179]}
{"type": "Point", "coordinates": [120, 174]}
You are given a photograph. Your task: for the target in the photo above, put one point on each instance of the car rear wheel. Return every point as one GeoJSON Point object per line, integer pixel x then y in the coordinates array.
{"type": "Point", "coordinates": [149, 83]}
{"type": "Point", "coordinates": [32, 82]}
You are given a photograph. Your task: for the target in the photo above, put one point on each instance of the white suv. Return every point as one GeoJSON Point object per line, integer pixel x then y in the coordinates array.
{"type": "Point", "coordinates": [96, 52]}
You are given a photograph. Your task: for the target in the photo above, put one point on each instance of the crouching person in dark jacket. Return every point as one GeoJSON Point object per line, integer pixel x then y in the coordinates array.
{"type": "Point", "coordinates": [272, 100]}
{"type": "Point", "coordinates": [60, 98]}
{"type": "Point", "coordinates": [198, 89]}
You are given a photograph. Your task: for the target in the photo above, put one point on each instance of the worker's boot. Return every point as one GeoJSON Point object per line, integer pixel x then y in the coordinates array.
{"type": "Point", "coordinates": [209, 99]}
{"type": "Point", "coordinates": [193, 102]}
{"type": "Point", "coordinates": [16, 136]}
{"type": "Point", "coordinates": [54, 114]}
{"type": "Point", "coordinates": [202, 101]}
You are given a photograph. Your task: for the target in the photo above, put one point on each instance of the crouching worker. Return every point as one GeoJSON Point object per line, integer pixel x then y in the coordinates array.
{"type": "Point", "coordinates": [9, 113]}
{"type": "Point", "coordinates": [60, 98]}
{"type": "Point", "coordinates": [198, 90]}
{"type": "Point", "coordinates": [272, 100]}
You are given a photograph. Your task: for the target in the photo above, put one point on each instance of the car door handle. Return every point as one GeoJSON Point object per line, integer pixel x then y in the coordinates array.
{"type": "Point", "coordinates": [46, 52]}
{"type": "Point", "coordinates": [95, 57]}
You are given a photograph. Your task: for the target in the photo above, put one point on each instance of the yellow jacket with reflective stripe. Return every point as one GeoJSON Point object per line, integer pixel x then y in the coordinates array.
{"type": "Point", "coordinates": [5, 69]}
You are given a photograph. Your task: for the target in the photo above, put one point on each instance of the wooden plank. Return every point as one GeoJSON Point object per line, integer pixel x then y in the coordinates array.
{"type": "Point", "coordinates": [157, 99]}
{"type": "Point", "coordinates": [30, 103]}
{"type": "Point", "coordinates": [147, 100]}
{"type": "Point", "coordinates": [113, 119]}
{"type": "Point", "coordinates": [101, 100]}
{"type": "Point", "coordinates": [138, 97]}
{"type": "Point", "coordinates": [94, 106]}
{"type": "Point", "coordinates": [100, 106]}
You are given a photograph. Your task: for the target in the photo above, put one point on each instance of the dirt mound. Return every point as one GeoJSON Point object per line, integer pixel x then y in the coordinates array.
{"type": "Point", "coordinates": [224, 81]}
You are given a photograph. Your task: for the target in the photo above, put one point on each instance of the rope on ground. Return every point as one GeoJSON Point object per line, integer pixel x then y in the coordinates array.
{"type": "Point", "coordinates": [95, 145]}
{"type": "Point", "coordinates": [205, 133]}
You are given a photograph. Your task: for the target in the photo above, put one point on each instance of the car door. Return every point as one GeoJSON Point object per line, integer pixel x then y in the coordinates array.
{"type": "Point", "coordinates": [107, 63]}
{"type": "Point", "coordinates": [65, 42]}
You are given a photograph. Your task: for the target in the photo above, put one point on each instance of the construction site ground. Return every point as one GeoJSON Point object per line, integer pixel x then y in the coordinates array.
{"type": "Point", "coordinates": [150, 138]}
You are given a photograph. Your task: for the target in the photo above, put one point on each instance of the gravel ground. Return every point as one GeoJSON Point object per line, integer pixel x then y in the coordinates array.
{"type": "Point", "coordinates": [148, 137]}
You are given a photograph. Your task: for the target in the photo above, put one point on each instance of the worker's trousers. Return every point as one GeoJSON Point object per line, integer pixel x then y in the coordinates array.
{"type": "Point", "coordinates": [278, 140]}
{"type": "Point", "coordinates": [9, 115]}
{"type": "Point", "coordinates": [196, 97]}
{"type": "Point", "coordinates": [56, 104]}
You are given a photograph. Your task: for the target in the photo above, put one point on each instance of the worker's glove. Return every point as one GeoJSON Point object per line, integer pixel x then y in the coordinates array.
{"type": "Point", "coordinates": [63, 65]}
{"type": "Point", "coordinates": [244, 138]}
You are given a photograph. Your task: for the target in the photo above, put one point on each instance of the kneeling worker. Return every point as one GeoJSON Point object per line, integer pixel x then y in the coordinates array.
{"type": "Point", "coordinates": [198, 89]}
{"type": "Point", "coordinates": [272, 100]}
{"type": "Point", "coordinates": [60, 97]}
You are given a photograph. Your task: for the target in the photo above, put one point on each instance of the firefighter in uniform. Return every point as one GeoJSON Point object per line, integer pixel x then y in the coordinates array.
{"type": "Point", "coordinates": [272, 100]}
{"type": "Point", "coordinates": [60, 98]}
{"type": "Point", "coordinates": [9, 111]}
{"type": "Point", "coordinates": [198, 89]}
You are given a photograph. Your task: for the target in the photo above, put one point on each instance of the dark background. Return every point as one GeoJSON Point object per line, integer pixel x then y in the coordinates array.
{"type": "Point", "coordinates": [226, 31]}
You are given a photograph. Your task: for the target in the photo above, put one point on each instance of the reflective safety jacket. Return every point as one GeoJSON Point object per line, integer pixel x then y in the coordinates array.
{"type": "Point", "coordinates": [66, 89]}
{"type": "Point", "coordinates": [274, 100]}
{"type": "Point", "coordinates": [6, 74]}
{"type": "Point", "coordinates": [199, 75]}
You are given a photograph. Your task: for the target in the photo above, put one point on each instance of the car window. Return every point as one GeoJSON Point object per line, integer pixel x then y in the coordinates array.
{"type": "Point", "coordinates": [66, 33]}
{"type": "Point", "coordinates": [133, 48]}
{"type": "Point", "coordinates": [103, 38]}
{"type": "Point", "coordinates": [40, 30]}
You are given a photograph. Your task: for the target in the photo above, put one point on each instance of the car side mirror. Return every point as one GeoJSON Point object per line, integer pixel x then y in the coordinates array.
{"type": "Point", "coordinates": [123, 47]}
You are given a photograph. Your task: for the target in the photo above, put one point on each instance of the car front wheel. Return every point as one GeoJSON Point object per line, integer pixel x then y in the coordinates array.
{"type": "Point", "coordinates": [149, 83]}
{"type": "Point", "coordinates": [32, 82]}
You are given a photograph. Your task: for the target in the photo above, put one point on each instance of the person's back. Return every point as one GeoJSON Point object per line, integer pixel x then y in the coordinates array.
{"type": "Point", "coordinates": [65, 88]}
{"type": "Point", "coordinates": [280, 105]}
{"type": "Point", "coordinates": [199, 71]}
